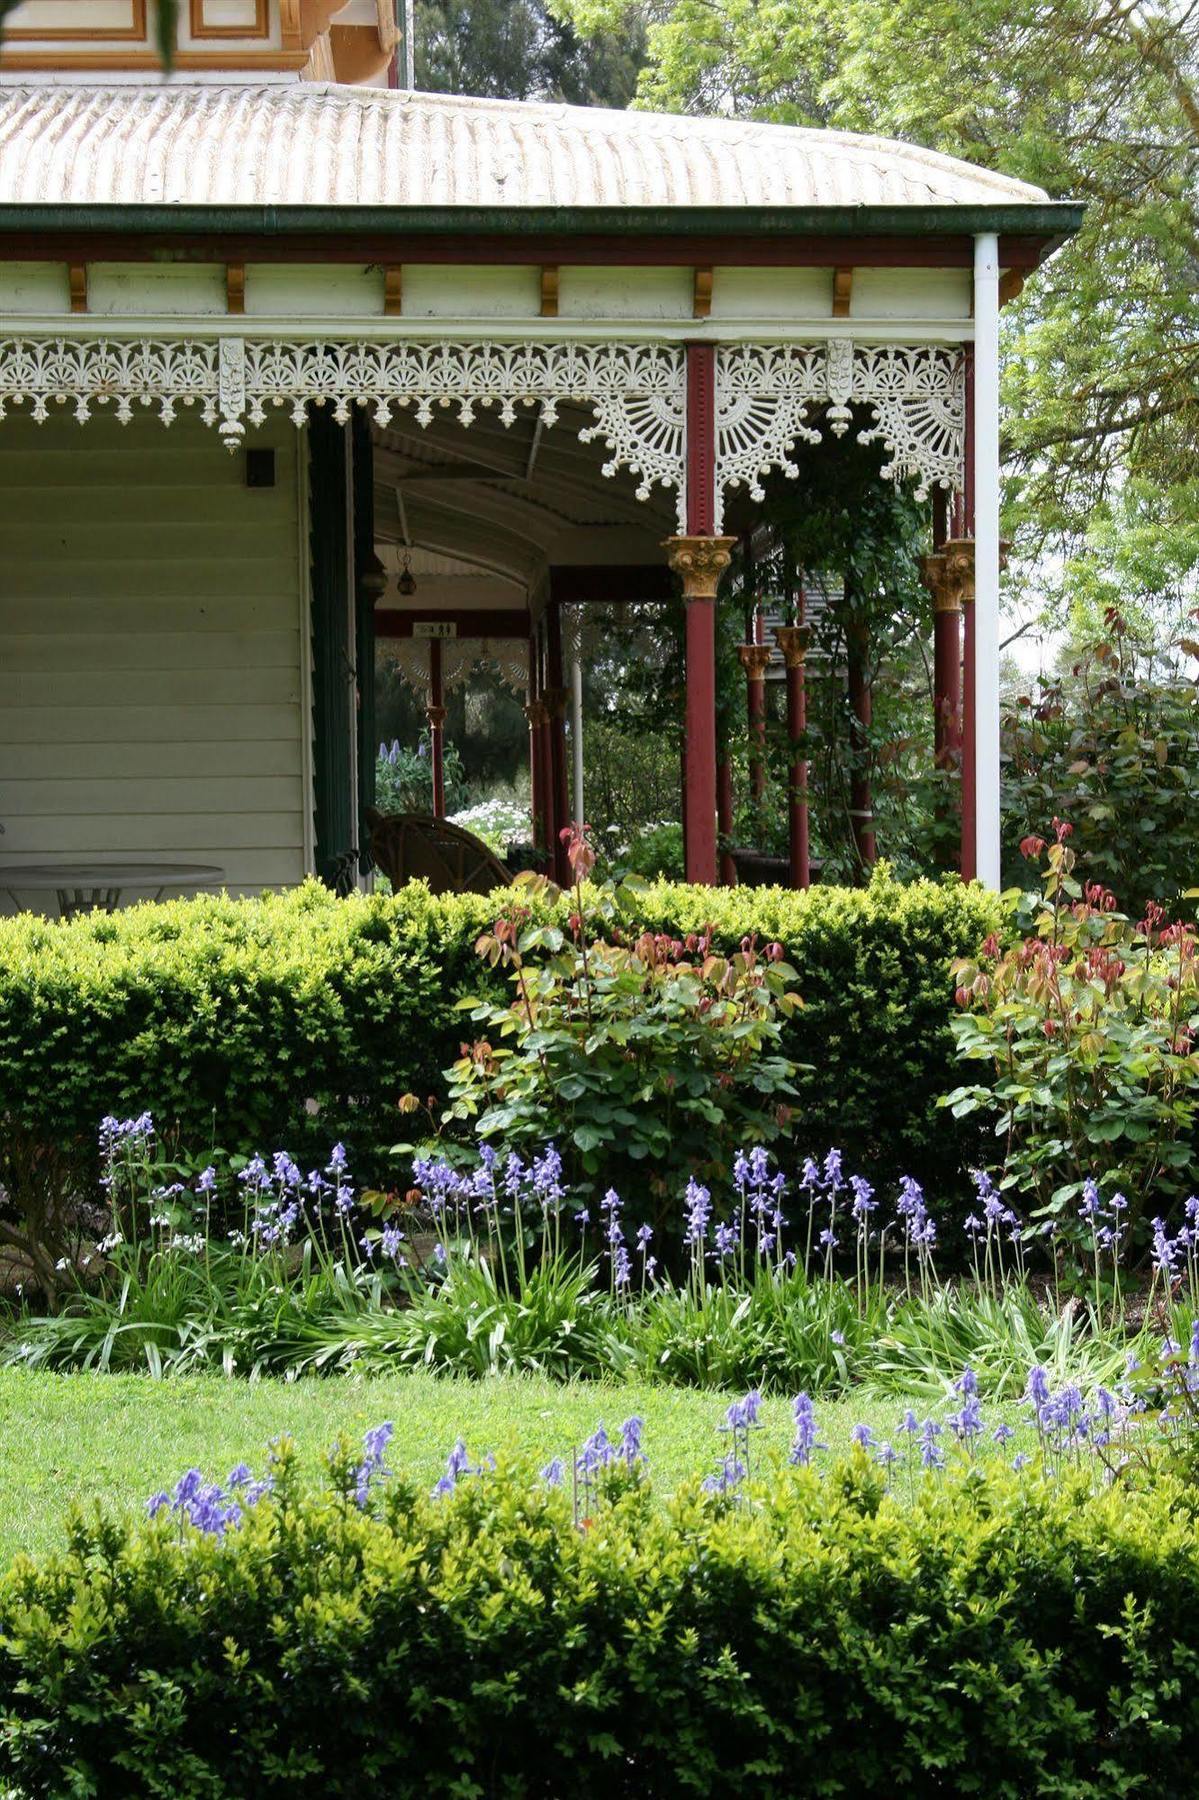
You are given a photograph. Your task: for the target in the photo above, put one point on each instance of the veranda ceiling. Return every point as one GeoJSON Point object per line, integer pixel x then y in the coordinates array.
{"type": "Point", "coordinates": [508, 501]}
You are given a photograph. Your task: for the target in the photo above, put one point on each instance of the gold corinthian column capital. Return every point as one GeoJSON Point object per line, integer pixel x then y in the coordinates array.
{"type": "Point", "coordinates": [700, 562]}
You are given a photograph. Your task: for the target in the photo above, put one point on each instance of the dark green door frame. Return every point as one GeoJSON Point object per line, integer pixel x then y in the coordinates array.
{"type": "Point", "coordinates": [334, 800]}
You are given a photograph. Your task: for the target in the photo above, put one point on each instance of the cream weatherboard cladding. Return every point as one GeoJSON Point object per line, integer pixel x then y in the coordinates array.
{"type": "Point", "coordinates": [152, 679]}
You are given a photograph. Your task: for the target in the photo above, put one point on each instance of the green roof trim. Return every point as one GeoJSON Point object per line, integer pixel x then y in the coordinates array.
{"type": "Point", "coordinates": [1050, 220]}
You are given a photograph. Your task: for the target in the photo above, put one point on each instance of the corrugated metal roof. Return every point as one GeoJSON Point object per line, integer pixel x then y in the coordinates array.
{"type": "Point", "coordinates": [322, 145]}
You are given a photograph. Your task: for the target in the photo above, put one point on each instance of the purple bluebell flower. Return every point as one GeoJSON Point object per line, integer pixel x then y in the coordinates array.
{"type": "Point", "coordinates": [931, 1454]}
{"type": "Point", "coordinates": [458, 1461]}
{"type": "Point", "coordinates": [630, 1441]}
{"type": "Point", "coordinates": [805, 1440]}
{"type": "Point", "coordinates": [728, 1476]}
{"type": "Point", "coordinates": [698, 1203]}
{"type": "Point", "coordinates": [371, 1468]}
{"type": "Point", "coordinates": [725, 1240]}
{"type": "Point", "coordinates": [1165, 1250]}
{"type": "Point", "coordinates": [863, 1201]}
{"type": "Point", "coordinates": [1037, 1390]}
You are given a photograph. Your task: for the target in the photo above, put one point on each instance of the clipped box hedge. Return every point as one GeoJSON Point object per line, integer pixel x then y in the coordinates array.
{"type": "Point", "coordinates": [997, 1638]}
{"type": "Point", "coordinates": [299, 1018]}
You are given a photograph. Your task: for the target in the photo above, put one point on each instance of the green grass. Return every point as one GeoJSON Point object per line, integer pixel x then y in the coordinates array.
{"type": "Point", "coordinates": [81, 1438]}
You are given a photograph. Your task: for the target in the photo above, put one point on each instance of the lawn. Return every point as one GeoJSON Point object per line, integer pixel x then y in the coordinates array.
{"type": "Point", "coordinates": [80, 1438]}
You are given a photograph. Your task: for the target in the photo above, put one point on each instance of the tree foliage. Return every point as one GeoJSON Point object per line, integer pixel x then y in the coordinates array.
{"type": "Point", "coordinates": [1112, 746]}
{"type": "Point", "coordinates": [520, 50]}
{"type": "Point", "coordinates": [1092, 99]}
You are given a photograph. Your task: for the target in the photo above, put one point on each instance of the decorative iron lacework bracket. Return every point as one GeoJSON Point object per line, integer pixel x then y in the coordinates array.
{"type": "Point", "coordinates": [635, 391]}
{"type": "Point", "coordinates": [766, 398]}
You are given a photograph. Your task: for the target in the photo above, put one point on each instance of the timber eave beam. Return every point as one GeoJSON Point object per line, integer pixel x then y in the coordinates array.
{"type": "Point", "coordinates": [392, 623]}
{"type": "Point", "coordinates": [911, 236]}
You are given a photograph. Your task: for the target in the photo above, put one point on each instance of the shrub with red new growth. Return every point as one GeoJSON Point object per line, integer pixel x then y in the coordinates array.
{"type": "Point", "coordinates": [1088, 1022]}
{"type": "Point", "coordinates": [645, 1056]}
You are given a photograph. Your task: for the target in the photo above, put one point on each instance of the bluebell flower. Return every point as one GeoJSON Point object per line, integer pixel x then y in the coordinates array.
{"type": "Point", "coordinates": [729, 1474]}
{"type": "Point", "coordinates": [863, 1202]}
{"type": "Point", "coordinates": [862, 1437]}
{"type": "Point", "coordinates": [805, 1440]}
{"type": "Point", "coordinates": [967, 1423]}
{"type": "Point", "coordinates": [931, 1454]}
{"type": "Point", "coordinates": [698, 1203]}
{"type": "Point", "coordinates": [597, 1452]}
{"type": "Point", "coordinates": [458, 1462]}
{"type": "Point", "coordinates": [630, 1441]}
{"type": "Point", "coordinates": [725, 1239]}
{"type": "Point", "coordinates": [1037, 1390]}
{"type": "Point", "coordinates": [554, 1473]}
{"type": "Point", "coordinates": [1165, 1250]}
{"type": "Point", "coordinates": [370, 1469]}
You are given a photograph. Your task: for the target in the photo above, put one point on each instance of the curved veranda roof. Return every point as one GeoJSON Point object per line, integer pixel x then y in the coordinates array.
{"type": "Point", "coordinates": [316, 145]}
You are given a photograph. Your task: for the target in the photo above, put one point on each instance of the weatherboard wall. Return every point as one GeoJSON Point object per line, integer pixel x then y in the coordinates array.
{"type": "Point", "coordinates": [153, 670]}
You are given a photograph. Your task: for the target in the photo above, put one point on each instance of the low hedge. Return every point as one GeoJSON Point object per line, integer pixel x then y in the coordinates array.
{"type": "Point", "coordinates": [996, 1637]}
{"type": "Point", "coordinates": [300, 1018]}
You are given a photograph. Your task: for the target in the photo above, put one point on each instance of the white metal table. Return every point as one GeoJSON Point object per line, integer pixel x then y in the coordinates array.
{"type": "Point", "coordinates": [94, 886]}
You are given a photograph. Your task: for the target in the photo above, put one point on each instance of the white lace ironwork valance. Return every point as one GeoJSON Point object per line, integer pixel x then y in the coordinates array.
{"type": "Point", "coordinates": [461, 659]}
{"type": "Point", "coordinates": [768, 397]}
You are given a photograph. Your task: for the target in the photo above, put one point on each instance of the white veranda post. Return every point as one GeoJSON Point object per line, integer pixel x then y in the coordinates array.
{"type": "Point", "coordinates": [986, 557]}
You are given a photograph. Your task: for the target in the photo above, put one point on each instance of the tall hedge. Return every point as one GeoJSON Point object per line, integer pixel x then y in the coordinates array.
{"type": "Point", "coordinates": [995, 1638]}
{"type": "Point", "coordinates": [299, 1018]}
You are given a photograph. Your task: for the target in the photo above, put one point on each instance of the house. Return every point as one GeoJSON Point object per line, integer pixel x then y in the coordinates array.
{"type": "Point", "coordinates": [290, 356]}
